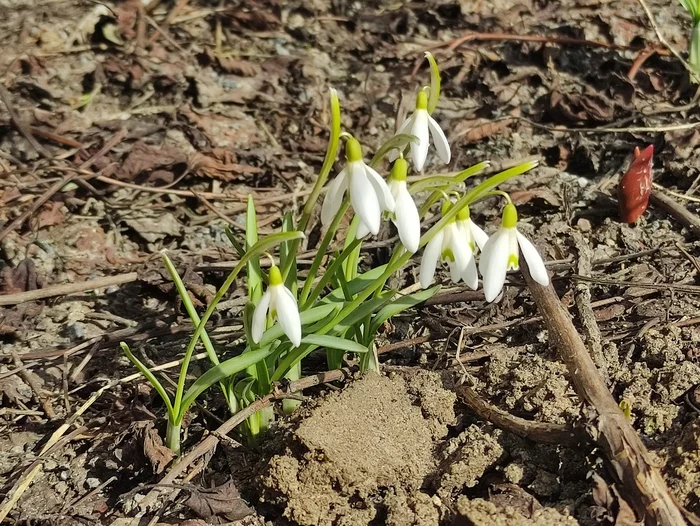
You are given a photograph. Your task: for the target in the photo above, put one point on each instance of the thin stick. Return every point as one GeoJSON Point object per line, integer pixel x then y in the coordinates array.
{"type": "Point", "coordinates": [43, 400]}
{"type": "Point", "coordinates": [662, 39]}
{"type": "Point", "coordinates": [20, 124]}
{"type": "Point", "coordinates": [677, 211]}
{"type": "Point", "coordinates": [631, 463]}
{"type": "Point", "coordinates": [68, 288]}
{"type": "Point", "coordinates": [543, 432]}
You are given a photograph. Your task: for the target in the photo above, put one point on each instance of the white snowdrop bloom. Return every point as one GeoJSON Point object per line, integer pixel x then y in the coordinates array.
{"type": "Point", "coordinates": [473, 233]}
{"type": "Point", "coordinates": [448, 245]}
{"type": "Point", "coordinates": [405, 216]}
{"type": "Point", "coordinates": [369, 193]}
{"type": "Point", "coordinates": [282, 305]}
{"type": "Point", "coordinates": [502, 253]}
{"type": "Point", "coordinates": [421, 125]}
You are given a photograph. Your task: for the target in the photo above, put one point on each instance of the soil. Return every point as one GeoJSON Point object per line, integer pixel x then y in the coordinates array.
{"type": "Point", "coordinates": [155, 121]}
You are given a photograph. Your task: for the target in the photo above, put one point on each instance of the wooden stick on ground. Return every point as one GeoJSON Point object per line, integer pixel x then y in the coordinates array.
{"type": "Point", "coordinates": [640, 481]}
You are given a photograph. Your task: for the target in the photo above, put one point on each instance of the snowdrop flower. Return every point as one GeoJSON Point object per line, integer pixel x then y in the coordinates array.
{"type": "Point", "coordinates": [422, 125]}
{"type": "Point", "coordinates": [449, 246]}
{"type": "Point", "coordinates": [405, 215]}
{"type": "Point", "coordinates": [472, 233]}
{"type": "Point", "coordinates": [369, 193]}
{"type": "Point", "coordinates": [282, 305]}
{"type": "Point", "coordinates": [500, 254]}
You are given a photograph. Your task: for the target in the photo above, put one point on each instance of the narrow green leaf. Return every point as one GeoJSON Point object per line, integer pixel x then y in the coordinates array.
{"type": "Point", "coordinates": [146, 372]}
{"type": "Point", "coordinates": [397, 142]}
{"type": "Point", "coordinates": [353, 259]}
{"type": "Point", "coordinates": [218, 373]}
{"type": "Point", "coordinates": [240, 249]}
{"type": "Point", "coordinates": [367, 308]}
{"type": "Point", "coordinates": [334, 269]}
{"type": "Point", "coordinates": [448, 180]}
{"type": "Point", "coordinates": [288, 256]}
{"type": "Point", "coordinates": [333, 342]}
{"type": "Point", "coordinates": [355, 286]}
{"type": "Point", "coordinates": [434, 82]}
{"type": "Point", "coordinates": [254, 274]}
{"type": "Point", "coordinates": [399, 305]}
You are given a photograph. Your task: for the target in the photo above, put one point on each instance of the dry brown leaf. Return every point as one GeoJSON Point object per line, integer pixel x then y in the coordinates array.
{"type": "Point", "coordinates": [220, 164]}
{"type": "Point", "coordinates": [581, 108]}
{"type": "Point", "coordinates": [19, 279]}
{"type": "Point", "coordinates": [153, 448]}
{"type": "Point", "coordinates": [14, 389]}
{"type": "Point", "coordinates": [51, 214]}
{"type": "Point", "coordinates": [145, 158]}
{"type": "Point", "coordinates": [525, 196]}
{"type": "Point", "coordinates": [223, 500]}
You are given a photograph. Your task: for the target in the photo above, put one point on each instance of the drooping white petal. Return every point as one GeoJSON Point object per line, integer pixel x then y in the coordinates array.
{"type": "Point", "coordinates": [407, 219]}
{"type": "Point", "coordinates": [470, 275]}
{"type": "Point", "coordinates": [431, 254]}
{"type": "Point", "coordinates": [439, 140]}
{"type": "Point", "coordinates": [288, 314]}
{"type": "Point", "coordinates": [405, 125]}
{"type": "Point", "coordinates": [493, 263]}
{"type": "Point", "coordinates": [419, 150]}
{"type": "Point", "coordinates": [259, 321]}
{"type": "Point", "coordinates": [334, 197]}
{"type": "Point", "coordinates": [363, 198]}
{"type": "Point", "coordinates": [534, 261]}
{"type": "Point", "coordinates": [478, 234]}
{"type": "Point", "coordinates": [362, 230]}
{"type": "Point", "coordinates": [386, 200]}
{"type": "Point", "coordinates": [460, 249]}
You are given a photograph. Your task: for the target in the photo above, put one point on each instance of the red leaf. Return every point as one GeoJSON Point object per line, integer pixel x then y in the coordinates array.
{"type": "Point", "coordinates": [635, 186]}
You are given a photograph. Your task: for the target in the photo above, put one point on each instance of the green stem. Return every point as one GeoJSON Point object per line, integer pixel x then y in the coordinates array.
{"type": "Point", "coordinates": [172, 437]}
{"type": "Point", "coordinates": [328, 161]}
{"type": "Point", "coordinates": [321, 252]}
{"type": "Point", "coordinates": [329, 273]}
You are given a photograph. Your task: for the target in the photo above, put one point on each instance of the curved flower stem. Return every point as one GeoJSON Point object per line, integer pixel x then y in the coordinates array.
{"type": "Point", "coordinates": [321, 251]}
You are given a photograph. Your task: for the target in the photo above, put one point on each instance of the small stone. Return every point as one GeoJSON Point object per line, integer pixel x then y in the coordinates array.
{"type": "Point", "coordinates": [584, 225]}
{"type": "Point", "coordinates": [92, 482]}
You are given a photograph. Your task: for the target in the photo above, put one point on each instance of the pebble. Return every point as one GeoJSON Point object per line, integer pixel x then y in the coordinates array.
{"type": "Point", "coordinates": [584, 225]}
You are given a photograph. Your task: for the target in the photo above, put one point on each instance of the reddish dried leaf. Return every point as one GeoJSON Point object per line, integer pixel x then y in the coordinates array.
{"type": "Point", "coordinates": [635, 186]}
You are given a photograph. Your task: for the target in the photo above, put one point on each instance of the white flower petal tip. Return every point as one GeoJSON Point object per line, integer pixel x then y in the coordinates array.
{"type": "Point", "coordinates": [451, 247]}
{"type": "Point", "coordinates": [406, 216]}
{"type": "Point", "coordinates": [369, 193]}
{"type": "Point", "coordinates": [422, 126]}
{"type": "Point", "coordinates": [501, 253]}
{"type": "Point", "coordinates": [279, 301]}
{"type": "Point", "coordinates": [534, 261]}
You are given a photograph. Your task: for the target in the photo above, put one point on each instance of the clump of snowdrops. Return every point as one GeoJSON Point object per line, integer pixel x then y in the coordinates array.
{"type": "Point", "coordinates": [340, 306]}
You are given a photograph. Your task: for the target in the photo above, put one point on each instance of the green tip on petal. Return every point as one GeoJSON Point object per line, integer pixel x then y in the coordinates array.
{"type": "Point", "coordinates": [353, 150]}
{"type": "Point", "coordinates": [513, 262]}
{"type": "Point", "coordinates": [275, 276]}
{"type": "Point", "coordinates": [422, 100]}
{"type": "Point", "coordinates": [448, 255]}
{"type": "Point", "coordinates": [399, 170]}
{"type": "Point", "coordinates": [510, 216]}
{"type": "Point", "coordinates": [464, 214]}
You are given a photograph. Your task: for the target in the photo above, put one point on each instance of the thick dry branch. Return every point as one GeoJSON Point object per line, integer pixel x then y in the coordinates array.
{"type": "Point", "coordinates": [640, 481]}
{"type": "Point", "coordinates": [544, 432]}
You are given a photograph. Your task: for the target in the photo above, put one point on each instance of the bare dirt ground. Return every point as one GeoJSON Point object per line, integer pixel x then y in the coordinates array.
{"type": "Point", "coordinates": [126, 130]}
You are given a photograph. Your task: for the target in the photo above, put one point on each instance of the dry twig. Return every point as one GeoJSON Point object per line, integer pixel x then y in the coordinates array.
{"type": "Point", "coordinates": [632, 465]}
